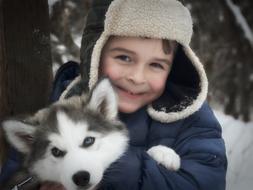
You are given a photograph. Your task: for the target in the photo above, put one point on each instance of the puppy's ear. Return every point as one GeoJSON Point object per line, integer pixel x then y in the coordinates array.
{"type": "Point", "coordinates": [19, 134]}
{"type": "Point", "coordinates": [103, 99]}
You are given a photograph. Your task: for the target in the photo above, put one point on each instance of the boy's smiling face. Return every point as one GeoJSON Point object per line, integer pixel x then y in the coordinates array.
{"type": "Point", "coordinates": [138, 69]}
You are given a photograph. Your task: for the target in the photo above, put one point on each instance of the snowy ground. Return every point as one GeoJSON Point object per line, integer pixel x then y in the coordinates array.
{"type": "Point", "coordinates": [238, 137]}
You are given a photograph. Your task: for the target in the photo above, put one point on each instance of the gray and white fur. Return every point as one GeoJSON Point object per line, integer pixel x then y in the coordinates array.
{"type": "Point", "coordinates": [71, 142]}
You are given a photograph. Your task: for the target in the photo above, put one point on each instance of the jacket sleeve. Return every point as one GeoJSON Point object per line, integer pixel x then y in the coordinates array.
{"type": "Point", "coordinates": [203, 161]}
{"type": "Point", "coordinates": [12, 164]}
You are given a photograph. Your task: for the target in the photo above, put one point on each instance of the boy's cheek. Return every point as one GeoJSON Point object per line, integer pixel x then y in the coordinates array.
{"type": "Point", "coordinates": [158, 85]}
{"type": "Point", "coordinates": [109, 70]}
{"type": "Point", "coordinates": [112, 73]}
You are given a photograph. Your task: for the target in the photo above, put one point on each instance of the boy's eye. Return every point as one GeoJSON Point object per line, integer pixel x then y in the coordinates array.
{"type": "Point", "coordinates": [56, 152]}
{"type": "Point", "coordinates": [157, 66]}
{"type": "Point", "coordinates": [88, 141]}
{"type": "Point", "coordinates": [124, 58]}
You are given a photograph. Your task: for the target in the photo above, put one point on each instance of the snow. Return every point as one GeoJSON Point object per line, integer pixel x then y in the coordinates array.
{"type": "Point", "coordinates": [251, 78]}
{"type": "Point", "coordinates": [50, 4]}
{"type": "Point", "coordinates": [55, 67]}
{"type": "Point", "coordinates": [221, 17]}
{"type": "Point", "coordinates": [238, 138]}
{"type": "Point", "coordinates": [61, 49]}
{"type": "Point", "coordinates": [241, 21]}
{"type": "Point", "coordinates": [78, 40]}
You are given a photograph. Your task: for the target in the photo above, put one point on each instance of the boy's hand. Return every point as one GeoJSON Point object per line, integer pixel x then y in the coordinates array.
{"type": "Point", "coordinates": [51, 186]}
{"type": "Point", "coordinates": [165, 156]}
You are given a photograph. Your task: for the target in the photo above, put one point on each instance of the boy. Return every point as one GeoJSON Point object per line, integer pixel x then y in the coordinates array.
{"type": "Point", "coordinates": [143, 47]}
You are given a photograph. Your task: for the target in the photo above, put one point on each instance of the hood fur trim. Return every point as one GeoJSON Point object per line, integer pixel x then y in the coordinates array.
{"type": "Point", "coordinates": [196, 104]}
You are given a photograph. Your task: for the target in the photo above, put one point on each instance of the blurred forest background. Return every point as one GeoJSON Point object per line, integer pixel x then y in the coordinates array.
{"type": "Point", "coordinates": [223, 39]}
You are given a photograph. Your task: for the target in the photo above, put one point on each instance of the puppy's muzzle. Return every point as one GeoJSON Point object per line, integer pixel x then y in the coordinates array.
{"type": "Point", "coordinates": [81, 178]}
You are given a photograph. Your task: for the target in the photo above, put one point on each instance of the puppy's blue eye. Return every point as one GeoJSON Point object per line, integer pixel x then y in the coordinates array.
{"type": "Point", "coordinates": [56, 152]}
{"type": "Point", "coordinates": [88, 141]}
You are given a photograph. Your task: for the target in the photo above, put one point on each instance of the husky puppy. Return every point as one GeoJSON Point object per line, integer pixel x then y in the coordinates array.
{"type": "Point", "coordinates": [72, 142]}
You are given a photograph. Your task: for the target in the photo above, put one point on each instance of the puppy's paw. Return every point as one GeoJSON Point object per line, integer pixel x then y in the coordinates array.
{"type": "Point", "coordinates": [165, 156]}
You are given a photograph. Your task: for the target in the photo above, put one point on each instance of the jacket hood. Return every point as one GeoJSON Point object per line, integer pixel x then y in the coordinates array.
{"type": "Point", "coordinates": [186, 86]}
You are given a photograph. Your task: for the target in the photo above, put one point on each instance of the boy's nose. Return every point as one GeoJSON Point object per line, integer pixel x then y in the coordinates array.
{"type": "Point", "coordinates": [81, 178]}
{"type": "Point", "coordinates": [137, 75]}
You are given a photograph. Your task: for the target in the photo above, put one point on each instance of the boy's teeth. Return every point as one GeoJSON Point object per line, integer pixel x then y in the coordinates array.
{"type": "Point", "coordinates": [131, 93]}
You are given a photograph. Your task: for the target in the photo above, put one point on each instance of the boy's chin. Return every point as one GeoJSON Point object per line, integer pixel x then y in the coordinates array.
{"type": "Point", "coordinates": [128, 108]}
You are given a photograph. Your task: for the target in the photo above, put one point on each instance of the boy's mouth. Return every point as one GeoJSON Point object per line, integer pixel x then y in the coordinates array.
{"type": "Point", "coordinates": [129, 93]}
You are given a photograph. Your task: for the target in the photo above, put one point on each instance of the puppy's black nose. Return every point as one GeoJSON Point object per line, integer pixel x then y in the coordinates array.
{"type": "Point", "coordinates": [81, 178]}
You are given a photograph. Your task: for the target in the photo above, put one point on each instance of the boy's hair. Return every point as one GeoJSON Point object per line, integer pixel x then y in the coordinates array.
{"type": "Point", "coordinates": [169, 45]}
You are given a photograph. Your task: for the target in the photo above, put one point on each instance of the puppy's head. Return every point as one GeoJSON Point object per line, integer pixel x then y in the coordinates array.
{"type": "Point", "coordinates": [71, 142]}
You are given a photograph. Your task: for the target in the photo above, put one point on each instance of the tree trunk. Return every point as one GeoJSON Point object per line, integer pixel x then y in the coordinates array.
{"type": "Point", "coordinates": [230, 107]}
{"type": "Point", "coordinates": [245, 90]}
{"type": "Point", "coordinates": [25, 57]}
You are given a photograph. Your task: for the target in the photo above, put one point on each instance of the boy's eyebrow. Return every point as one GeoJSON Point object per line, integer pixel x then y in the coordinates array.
{"type": "Point", "coordinates": [132, 52]}
{"type": "Point", "coordinates": [121, 49]}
